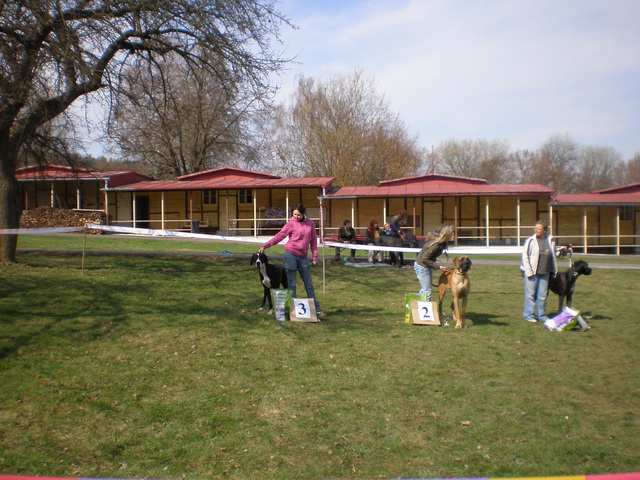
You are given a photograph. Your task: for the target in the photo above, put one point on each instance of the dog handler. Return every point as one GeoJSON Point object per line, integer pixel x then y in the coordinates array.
{"type": "Point", "coordinates": [435, 245]}
{"type": "Point", "coordinates": [302, 236]}
{"type": "Point", "coordinates": [538, 264]}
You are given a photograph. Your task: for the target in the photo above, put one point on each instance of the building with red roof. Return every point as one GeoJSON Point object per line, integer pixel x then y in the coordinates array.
{"type": "Point", "coordinates": [225, 200]}
{"type": "Point", "coordinates": [483, 213]}
{"type": "Point", "coordinates": [60, 186]}
{"type": "Point", "coordinates": [599, 221]}
{"type": "Point", "coordinates": [246, 202]}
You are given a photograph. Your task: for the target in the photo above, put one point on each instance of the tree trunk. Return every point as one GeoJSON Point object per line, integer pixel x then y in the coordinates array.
{"type": "Point", "coordinates": [10, 209]}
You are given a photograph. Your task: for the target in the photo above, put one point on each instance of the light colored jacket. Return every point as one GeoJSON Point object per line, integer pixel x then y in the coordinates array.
{"type": "Point", "coordinates": [531, 255]}
{"type": "Point", "coordinates": [302, 236]}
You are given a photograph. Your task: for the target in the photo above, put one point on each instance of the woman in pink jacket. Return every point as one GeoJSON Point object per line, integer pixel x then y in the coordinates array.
{"type": "Point", "coordinates": [302, 236]}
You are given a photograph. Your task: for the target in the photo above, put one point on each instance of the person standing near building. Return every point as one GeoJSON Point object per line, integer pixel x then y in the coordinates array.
{"type": "Point", "coordinates": [302, 235]}
{"type": "Point", "coordinates": [538, 265]}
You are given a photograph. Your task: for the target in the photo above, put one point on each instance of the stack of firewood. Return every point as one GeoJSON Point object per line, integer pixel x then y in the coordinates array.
{"type": "Point", "coordinates": [47, 217]}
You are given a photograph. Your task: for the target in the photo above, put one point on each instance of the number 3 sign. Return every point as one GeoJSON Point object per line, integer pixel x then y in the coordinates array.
{"type": "Point", "coordinates": [303, 310]}
{"type": "Point", "coordinates": [424, 313]}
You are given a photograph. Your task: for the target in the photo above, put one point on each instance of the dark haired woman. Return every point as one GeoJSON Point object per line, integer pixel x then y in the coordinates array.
{"type": "Point", "coordinates": [302, 235]}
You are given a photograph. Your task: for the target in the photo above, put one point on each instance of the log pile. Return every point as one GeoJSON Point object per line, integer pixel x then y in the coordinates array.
{"type": "Point", "coordinates": [47, 217]}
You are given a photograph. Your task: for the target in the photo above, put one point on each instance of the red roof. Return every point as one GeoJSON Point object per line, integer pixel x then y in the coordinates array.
{"type": "Point", "coordinates": [433, 177]}
{"type": "Point", "coordinates": [632, 188]}
{"type": "Point", "coordinates": [55, 172]}
{"type": "Point", "coordinates": [437, 186]}
{"type": "Point", "coordinates": [622, 195]}
{"type": "Point", "coordinates": [593, 199]}
{"type": "Point", "coordinates": [224, 172]}
{"type": "Point", "coordinates": [63, 172]}
{"type": "Point", "coordinates": [228, 182]}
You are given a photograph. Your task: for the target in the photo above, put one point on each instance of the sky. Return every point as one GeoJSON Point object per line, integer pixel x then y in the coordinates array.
{"type": "Point", "coordinates": [515, 70]}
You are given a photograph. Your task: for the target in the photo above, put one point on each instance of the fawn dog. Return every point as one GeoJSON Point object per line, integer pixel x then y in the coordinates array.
{"type": "Point", "coordinates": [457, 280]}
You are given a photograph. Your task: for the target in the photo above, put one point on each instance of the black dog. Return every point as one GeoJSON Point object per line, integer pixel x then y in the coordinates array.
{"type": "Point", "coordinates": [563, 283]}
{"type": "Point", "coordinates": [272, 275]}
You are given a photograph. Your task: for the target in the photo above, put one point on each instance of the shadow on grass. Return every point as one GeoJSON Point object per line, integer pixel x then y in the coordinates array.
{"type": "Point", "coordinates": [47, 299]}
{"type": "Point", "coordinates": [486, 319]}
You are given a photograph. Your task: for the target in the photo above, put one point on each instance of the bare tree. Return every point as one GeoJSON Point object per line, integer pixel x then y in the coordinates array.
{"type": "Point", "coordinates": [476, 159]}
{"type": "Point", "coordinates": [53, 53]}
{"type": "Point", "coordinates": [559, 163]}
{"type": "Point", "coordinates": [596, 169]}
{"type": "Point", "coordinates": [180, 120]}
{"type": "Point", "coordinates": [525, 167]}
{"type": "Point", "coordinates": [341, 127]}
{"type": "Point", "coordinates": [628, 172]}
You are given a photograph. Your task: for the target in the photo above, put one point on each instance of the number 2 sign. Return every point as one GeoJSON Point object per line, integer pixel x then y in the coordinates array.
{"type": "Point", "coordinates": [424, 313]}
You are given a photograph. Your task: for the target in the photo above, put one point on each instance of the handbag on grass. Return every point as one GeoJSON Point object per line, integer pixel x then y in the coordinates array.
{"type": "Point", "coordinates": [567, 319]}
{"type": "Point", "coordinates": [407, 304]}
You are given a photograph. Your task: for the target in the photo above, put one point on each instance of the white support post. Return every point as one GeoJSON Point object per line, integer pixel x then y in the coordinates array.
{"type": "Point", "coordinates": [162, 210]}
{"type": "Point", "coordinates": [518, 221]}
{"type": "Point", "coordinates": [353, 213]}
{"type": "Point", "coordinates": [286, 205]}
{"type": "Point", "coordinates": [584, 230]}
{"type": "Point", "coordinates": [618, 230]}
{"type": "Point", "coordinates": [133, 206]}
{"type": "Point", "coordinates": [486, 214]}
{"type": "Point", "coordinates": [106, 207]}
{"type": "Point", "coordinates": [456, 218]}
{"type": "Point", "coordinates": [255, 215]}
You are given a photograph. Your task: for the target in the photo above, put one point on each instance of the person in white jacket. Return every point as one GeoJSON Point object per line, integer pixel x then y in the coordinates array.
{"type": "Point", "coordinates": [538, 265]}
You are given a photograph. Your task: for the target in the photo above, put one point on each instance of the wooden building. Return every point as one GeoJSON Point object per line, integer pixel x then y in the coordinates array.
{"type": "Point", "coordinates": [243, 202]}
{"type": "Point", "coordinates": [59, 186]}
{"type": "Point", "coordinates": [224, 200]}
{"type": "Point", "coordinates": [483, 214]}
{"type": "Point", "coordinates": [603, 221]}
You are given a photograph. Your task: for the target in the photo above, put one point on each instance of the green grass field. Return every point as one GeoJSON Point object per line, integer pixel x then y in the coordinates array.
{"type": "Point", "coordinates": [160, 367]}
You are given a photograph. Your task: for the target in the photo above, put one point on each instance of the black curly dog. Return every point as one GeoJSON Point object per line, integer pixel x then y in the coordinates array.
{"type": "Point", "coordinates": [272, 275]}
{"type": "Point", "coordinates": [563, 283]}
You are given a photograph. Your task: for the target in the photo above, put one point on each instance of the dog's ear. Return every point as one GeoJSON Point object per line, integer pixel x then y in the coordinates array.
{"type": "Point", "coordinates": [253, 258]}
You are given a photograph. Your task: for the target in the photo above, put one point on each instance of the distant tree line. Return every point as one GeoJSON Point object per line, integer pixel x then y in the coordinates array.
{"type": "Point", "coordinates": [560, 163]}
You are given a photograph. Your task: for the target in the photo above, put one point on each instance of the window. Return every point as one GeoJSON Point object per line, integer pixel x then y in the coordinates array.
{"type": "Point", "coordinates": [626, 213]}
{"type": "Point", "coordinates": [209, 197]}
{"type": "Point", "coordinates": [245, 195]}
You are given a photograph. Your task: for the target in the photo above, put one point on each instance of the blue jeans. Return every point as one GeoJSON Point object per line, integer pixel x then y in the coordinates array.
{"type": "Point", "coordinates": [294, 264]}
{"type": "Point", "coordinates": [536, 291]}
{"type": "Point", "coordinates": [424, 275]}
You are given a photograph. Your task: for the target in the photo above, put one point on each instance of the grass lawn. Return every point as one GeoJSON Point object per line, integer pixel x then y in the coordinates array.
{"type": "Point", "coordinates": [160, 367]}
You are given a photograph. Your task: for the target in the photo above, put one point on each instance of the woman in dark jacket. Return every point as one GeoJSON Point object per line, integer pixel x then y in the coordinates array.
{"type": "Point", "coordinates": [426, 260]}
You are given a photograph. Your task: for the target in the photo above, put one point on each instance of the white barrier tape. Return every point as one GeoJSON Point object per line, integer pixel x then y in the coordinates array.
{"type": "Point", "coordinates": [505, 250]}
{"type": "Point", "coordinates": [359, 246]}
{"type": "Point", "coordinates": [171, 233]}
{"type": "Point", "coordinates": [38, 231]}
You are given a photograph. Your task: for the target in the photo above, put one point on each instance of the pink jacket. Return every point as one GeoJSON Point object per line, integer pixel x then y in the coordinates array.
{"type": "Point", "coordinates": [302, 235]}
